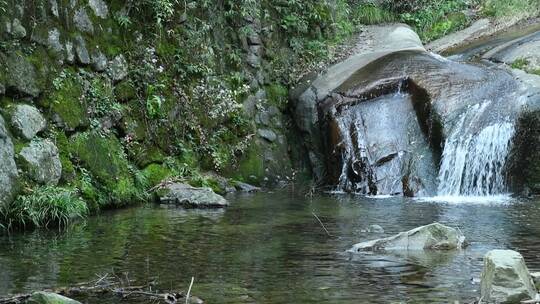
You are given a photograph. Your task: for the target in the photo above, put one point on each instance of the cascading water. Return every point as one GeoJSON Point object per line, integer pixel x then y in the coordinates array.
{"type": "Point", "coordinates": [474, 158]}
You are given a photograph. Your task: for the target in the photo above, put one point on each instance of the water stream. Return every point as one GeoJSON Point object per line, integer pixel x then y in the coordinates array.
{"type": "Point", "coordinates": [268, 248]}
{"type": "Point", "coordinates": [473, 161]}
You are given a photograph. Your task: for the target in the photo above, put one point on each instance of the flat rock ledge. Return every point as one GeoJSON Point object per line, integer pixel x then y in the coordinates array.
{"type": "Point", "coordinates": [505, 278]}
{"type": "Point", "coordinates": [430, 237]}
{"type": "Point", "coordinates": [190, 197]}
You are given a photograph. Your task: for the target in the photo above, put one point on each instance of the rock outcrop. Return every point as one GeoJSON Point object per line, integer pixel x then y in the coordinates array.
{"type": "Point", "coordinates": [383, 40]}
{"type": "Point", "coordinates": [505, 278]}
{"type": "Point", "coordinates": [190, 197]}
{"type": "Point", "coordinates": [430, 237]}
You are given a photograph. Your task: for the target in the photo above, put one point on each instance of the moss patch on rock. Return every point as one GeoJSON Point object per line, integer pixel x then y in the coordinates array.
{"type": "Point", "coordinates": [67, 103]}
{"type": "Point", "coordinates": [103, 156]}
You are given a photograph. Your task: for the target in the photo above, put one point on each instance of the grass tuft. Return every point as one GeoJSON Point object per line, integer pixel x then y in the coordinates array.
{"type": "Point", "coordinates": [373, 14]}
{"type": "Point", "coordinates": [46, 206]}
{"type": "Point", "coordinates": [504, 8]}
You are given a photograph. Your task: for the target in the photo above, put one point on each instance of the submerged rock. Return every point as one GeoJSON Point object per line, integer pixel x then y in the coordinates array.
{"type": "Point", "coordinates": [505, 278]}
{"type": "Point", "coordinates": [243, 187]}
{"type": "Point", "coordinates": [375, 229]}
{"type": "Point", "coordinates": [191, 197]}
{"type": "Point", "coordinates": [42, 161]}
{"type": "Point", "coordinates": [430, 237]}
{"type": "Point", "coordinates": [42, 297]}
{"type": "Point", "coordinates": [27, 121]}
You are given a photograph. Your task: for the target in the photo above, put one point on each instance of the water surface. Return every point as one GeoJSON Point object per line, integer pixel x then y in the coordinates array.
{"type": "Point", "coordinates": [269, 248]}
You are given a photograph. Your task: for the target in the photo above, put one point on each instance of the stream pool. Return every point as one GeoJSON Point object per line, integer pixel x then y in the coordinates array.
{"type": "Point", "coordinates": [269, 248]}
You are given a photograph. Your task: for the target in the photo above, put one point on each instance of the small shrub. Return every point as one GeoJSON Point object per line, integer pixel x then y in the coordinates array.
{"type": "Point", "coordinates": [373, 14]}
{"type": "Point", "coordinates": [44, 207]}
{"type": "Point", "coordinates": [503, 8]}
{"type": "Point", "coordinates": [520, 64]}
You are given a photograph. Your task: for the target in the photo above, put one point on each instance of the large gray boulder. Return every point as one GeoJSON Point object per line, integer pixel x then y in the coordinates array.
{"type": "Point", "coordinates": [373, 43]}
{"type": "Point", "coordinates": [430, 237]}
{"type": "Point", "coordinates": [27, 121]}
{"type": "Point", "coordinates": [42, 297]}
{"type": "Point", "coordinates": [42, 161]}
{"type": "Point", "coordinates": [20, 75]}
{"type": "Point", "coordinates": [505, 278]}
{"type": "Point", "coordinates": [8, 169]}
{"type": "Point", "coordinates": [191, 197]}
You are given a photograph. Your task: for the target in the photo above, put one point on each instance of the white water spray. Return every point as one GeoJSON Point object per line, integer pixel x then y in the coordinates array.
{"type": "Point", "coordinates": [473, 162]}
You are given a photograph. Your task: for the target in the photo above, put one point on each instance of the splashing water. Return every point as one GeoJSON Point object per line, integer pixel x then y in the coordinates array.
{"type": "Point", "coordinates": [473, 162]}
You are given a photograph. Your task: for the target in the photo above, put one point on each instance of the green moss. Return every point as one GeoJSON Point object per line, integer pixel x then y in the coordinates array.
{"type": "Point", "coordinates": [104, 158]}
{"type": "Point", "coordinates": [68, 169]}
{"type": "Point", "coordinates": [66, 101]}
{"type": "Point", "coordinates": [145, 154]}
{"type": "Point", "coordinates": [251, 166]}
{"type": "Point", "coordinates": [520, 63]}
{"type": "Point", "coordinates": [155, 173]}
{"type": "Point", "coordinates": [125, 91]}
{"type": "Point", "coordinates": [278, 95]}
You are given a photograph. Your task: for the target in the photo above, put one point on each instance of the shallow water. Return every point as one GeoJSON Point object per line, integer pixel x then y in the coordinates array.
{"type": "Point", "coordinates": [269, 248]}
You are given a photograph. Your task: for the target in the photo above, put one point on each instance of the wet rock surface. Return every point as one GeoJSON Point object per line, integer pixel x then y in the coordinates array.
{"type": "Point", "coordinates": [505, 278]}
{"type": "Point", "coordinates": [190, 197]}
{"type": "Point", "coordinates": [430, 237]}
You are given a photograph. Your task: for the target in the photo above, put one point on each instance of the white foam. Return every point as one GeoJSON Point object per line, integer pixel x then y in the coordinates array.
{"type": "Point", "coordinates": [500, 199]}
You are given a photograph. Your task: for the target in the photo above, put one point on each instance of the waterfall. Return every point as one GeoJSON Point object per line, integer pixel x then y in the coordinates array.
{"type": "Point", "coordinates": [475, 154]}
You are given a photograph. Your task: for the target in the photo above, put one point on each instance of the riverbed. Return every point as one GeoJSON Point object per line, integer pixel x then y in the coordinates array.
{"type": "Point", "coordinates": [270, 248]}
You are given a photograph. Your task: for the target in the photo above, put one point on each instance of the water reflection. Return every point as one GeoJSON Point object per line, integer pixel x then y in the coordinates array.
{"type": "Point", "coordinates": [268, 248]}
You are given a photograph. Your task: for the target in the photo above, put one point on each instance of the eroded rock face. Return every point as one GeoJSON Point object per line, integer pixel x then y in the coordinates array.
{"type": "Point", "coordinates": [376, 42]}
{"type": "Point", "coordinates": [42, 161]}
{"type": "Point", "coordinates": [27, 121]}
{"type": "Point", "coordinates": [191, 197]}
{"type": "Point", "coordinates": [521, 52]}
{"type": "Point", "coordinates": [430, 237]}
{"type": "Point", "coordinates": [377, 147]}
{"type": "Point", "coordinates": [42, 297]}
{"type": "Point", "coordinates": [8, 169]}
{"type": "Point", "coordinates": [505, 278]}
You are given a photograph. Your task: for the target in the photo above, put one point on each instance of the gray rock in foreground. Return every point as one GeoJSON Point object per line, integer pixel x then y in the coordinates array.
{"type": "Point", "coordinates": [505, 278]}
{"type": "Point", "coordinates": [430, 237]}
{"type": "Point", "coordinates": [27, 121]}
{"type": "Point", "coordinates": [191, 197]}
{"type": "Point", "coordinates": [42, 297]}
{"type": "Point", "coordinates": [42, 161]}
{"type": "Point", "coordinates": [8, 168]}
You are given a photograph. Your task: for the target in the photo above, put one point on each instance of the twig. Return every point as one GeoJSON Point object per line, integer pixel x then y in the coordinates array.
{"type": "Point", "coordinates": [189, 290]}
{"type": "Point", "coordinates": [318, 219]}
